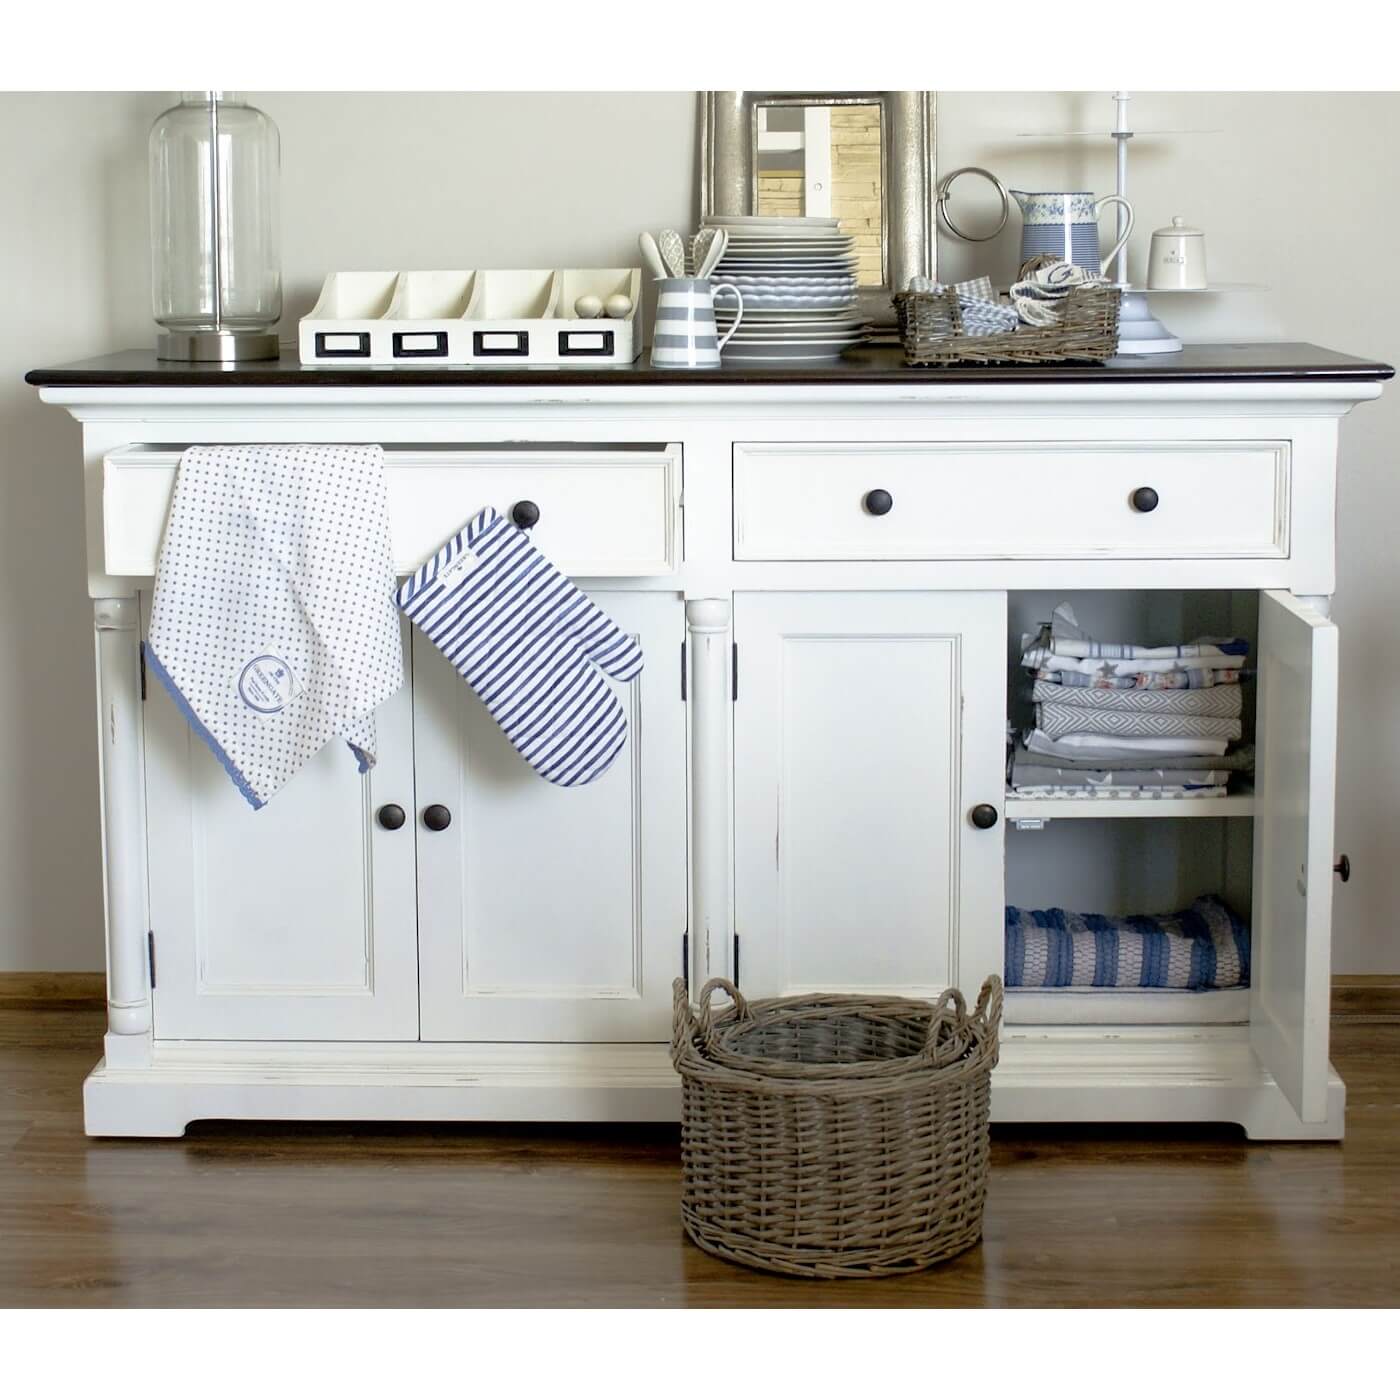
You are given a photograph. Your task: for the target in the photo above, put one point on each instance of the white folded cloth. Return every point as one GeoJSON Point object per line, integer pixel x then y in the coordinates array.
{"type": "Point", "coordinates": [273, 623]}
{"type": "Point", "coordinates": [1113, 748]}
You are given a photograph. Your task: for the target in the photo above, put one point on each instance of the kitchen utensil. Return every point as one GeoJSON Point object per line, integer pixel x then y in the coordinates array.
{"type": "Point", "coordinates": [587, 307]}
{"type": "Point", "coordinates": [618, 307]}
{"type": "Point", "coordinates": [700, 248]}
{"type": "Point", "coordinates": [713, 252]}
{"type": "Point", "coordinates": [686, 336]}
{"type": "Point", "coordinates": [1067, 226]}
{"type": "Point", "coordinates": [651, 255]}
{"type": "Point", "coordinates": [1177, 260]}
{"type": "Point", "coordinates": [672, 247]}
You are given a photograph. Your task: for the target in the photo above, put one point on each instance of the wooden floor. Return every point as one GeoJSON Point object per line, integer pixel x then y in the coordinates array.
{"type": "Point", "coordinates": [462, 1216]}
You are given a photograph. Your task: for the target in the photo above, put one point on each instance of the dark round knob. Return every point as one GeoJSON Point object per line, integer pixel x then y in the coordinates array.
{"type": "Point", "coordinates": [1144, 499]}
{"type": "Point", "coordinates": [391, 816]}
{"type": "Point", "coordinates": [1343, 868]}
{"type": "Point", "coordinates": [525, 514]}
{"type": "Point", "coordinates": [437, 817]}
{"type": "Point", "coordinates": [983, 816]}
{"type": "Point", "coordinates": [878, 502]}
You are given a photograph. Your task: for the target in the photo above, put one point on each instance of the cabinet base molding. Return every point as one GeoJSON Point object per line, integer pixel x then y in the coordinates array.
{"type": "Point", "coordinates": [1045, 1076]}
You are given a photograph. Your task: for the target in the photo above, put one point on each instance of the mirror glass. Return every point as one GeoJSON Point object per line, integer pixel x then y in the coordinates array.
{"type": "Point", "coordinates": [826, 159]}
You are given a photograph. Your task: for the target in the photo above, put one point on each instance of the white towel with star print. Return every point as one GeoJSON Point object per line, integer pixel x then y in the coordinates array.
{"type": "Point", "coordinates": [273, 623]}
{"type": "Point", "coordinates": [536, 650]}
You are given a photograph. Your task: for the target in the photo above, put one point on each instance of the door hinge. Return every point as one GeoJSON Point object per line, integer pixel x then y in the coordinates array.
{"type": "Point", "coordinates": [142, 653]}
{"type": "Point", "coordinates": [685, 958]}
{"type": "Point", "coordinates": [736, 959]}
{"type": "Point", "coordinates": [734, 671]}
{"type": "Point", "coordinates": [683, 668]}
{"type": "Point", "coordinates": [151, 955]}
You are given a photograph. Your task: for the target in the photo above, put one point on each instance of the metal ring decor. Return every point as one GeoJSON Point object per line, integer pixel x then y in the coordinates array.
{"type": "Point", "coordinates": [942, 203]}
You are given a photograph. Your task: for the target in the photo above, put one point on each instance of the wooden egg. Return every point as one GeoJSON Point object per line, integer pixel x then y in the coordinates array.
{"type": "Point", "coordinates": [619, 306]}
{"type": "Point", "coordinates": [588, 307]}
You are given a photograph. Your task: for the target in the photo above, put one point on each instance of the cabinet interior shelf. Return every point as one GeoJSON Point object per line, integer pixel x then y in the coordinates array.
{"type": "Point", "coordinates": [1240, 804]}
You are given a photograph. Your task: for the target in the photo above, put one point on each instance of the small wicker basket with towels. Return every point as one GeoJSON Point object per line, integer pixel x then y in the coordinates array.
{"type": "Point", "coordinates": [1066, 317]}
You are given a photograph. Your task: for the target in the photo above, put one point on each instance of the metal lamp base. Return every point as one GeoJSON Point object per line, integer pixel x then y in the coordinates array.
{"type": "Point", "coordinates": [226, 347]}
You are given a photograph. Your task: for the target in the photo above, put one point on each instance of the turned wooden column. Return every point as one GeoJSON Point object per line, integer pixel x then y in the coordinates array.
{"type": "Point", "coordinates": [117, 623]}
{"type": "Point", "coordinates": [707, 625]}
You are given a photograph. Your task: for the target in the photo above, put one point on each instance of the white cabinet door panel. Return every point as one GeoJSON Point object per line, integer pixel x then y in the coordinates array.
{"type": "Point", "coordinates": [548, 913]}
{"type": "Point", "coordinates": [294, 922]}
{"type": "Point", "coordinates": [867, 727]}
{"type": "Point", "coordinates": [1295, 797]}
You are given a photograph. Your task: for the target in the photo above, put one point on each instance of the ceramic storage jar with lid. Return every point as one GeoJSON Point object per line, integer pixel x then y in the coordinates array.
{"type": "Point", "coordinates": [1177, 260]}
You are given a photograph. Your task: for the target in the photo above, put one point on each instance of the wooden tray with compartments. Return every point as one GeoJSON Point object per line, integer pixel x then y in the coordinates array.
{"type": "Point", "coordinates": [468, 318]}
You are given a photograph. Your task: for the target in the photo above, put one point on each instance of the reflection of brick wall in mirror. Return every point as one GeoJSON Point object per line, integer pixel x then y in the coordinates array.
{"type": "Point", "coordinates": [853, 137]}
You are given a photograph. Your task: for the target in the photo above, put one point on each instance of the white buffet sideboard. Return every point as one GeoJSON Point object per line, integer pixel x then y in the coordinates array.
{"type": "Point", "coordinates": [824, 705]}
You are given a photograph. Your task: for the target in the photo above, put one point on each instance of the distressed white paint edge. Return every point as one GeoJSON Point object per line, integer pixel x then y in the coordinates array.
{"type": "Point", "coordinates": [1044, 1077]}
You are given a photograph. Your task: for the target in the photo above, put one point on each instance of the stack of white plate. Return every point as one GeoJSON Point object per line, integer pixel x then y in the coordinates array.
{"type": "Point", "coordinates": [798, 281]}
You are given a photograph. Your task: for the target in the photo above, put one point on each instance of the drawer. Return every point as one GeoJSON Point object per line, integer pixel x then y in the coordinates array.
{"type": "Point", "coordinates": [999, 500]}
{"type": "Point", "coordinates": [602, 514]}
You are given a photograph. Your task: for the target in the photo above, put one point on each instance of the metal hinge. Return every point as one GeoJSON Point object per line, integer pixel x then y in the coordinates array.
{"type": "Point", "coordinates": [151, 955]}
{"type": "Point", "coordinates": [683, 669]}
{"type": "Point", "coordinates": [142, 653]}
{"type": "Point", "coordinates": [736, 959]}
{"type": "Point", "coordinates": [734, 671]}
{"type": "Point", "coordinates": [685, 958]}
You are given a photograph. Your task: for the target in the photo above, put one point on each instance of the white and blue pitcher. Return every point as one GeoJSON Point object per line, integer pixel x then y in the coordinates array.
{"type": "Point", "coordinates": [1067, 226]}
{"type": "Point", "coordinates": [685, 335]}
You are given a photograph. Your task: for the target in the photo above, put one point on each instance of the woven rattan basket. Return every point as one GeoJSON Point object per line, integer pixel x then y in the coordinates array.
{"type": "Point", "coordinates": [835, 1136]}
{"type": "Point", "coordinates": [930, 326]}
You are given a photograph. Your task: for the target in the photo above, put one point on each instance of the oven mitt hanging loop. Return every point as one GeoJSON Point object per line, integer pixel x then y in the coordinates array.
{"type": "Point", "coordinates": [533, 647]}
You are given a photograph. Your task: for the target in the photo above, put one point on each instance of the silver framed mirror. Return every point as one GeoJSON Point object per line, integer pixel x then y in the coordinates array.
{"type": "Point", "coordinates": [866, 158]}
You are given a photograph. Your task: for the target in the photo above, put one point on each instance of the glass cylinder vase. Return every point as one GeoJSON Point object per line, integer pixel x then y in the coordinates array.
{"type": "Point", "coordinates": [216, 273]}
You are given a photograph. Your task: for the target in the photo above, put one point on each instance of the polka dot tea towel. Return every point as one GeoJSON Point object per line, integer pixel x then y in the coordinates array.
{"type": "Point", "coordinates": [273, 624]}
{"type": "Point", "coordinates": [534, 648]}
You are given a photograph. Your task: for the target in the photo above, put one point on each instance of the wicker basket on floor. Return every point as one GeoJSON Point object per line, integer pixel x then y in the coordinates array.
{"type": "Point", "coordinates": [930, 327]}
{"type": "Point", "coordinates": [835, 1136]}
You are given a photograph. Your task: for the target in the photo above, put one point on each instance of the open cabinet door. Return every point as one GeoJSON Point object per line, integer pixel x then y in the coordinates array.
{"type": "Point", "coordinates": [1293, 828]}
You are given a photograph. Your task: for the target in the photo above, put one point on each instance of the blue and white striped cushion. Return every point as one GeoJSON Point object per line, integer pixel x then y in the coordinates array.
{"type": "Point", "coordinates": [530, 644]}
{"type": "Point", "coordinates": [1201, 948]}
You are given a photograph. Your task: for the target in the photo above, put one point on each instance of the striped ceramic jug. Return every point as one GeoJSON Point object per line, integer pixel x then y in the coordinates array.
{"type": "Point", "coordinates": [1067, 226]}
{"type": "Point", "coordinates": [685, 336]}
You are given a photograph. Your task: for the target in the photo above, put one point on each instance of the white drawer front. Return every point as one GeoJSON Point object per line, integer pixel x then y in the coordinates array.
{"type": "Point", "coordinates": [601, 514]}
{"type": "Point", "coordinates": [1215, 500]}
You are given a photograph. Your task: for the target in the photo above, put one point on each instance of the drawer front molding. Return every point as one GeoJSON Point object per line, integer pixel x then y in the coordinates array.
{"type": "Point", "coordinates": [602, 514]}
{"type": "Point", "coordinates": [1012, 500]}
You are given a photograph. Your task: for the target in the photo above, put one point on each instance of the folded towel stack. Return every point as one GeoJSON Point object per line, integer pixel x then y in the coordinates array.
{"type": "Point", "coordinates": [1115, 719]}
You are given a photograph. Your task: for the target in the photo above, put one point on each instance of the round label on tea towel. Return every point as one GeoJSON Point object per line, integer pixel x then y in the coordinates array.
{"type": "Point", "coordinates": [266, 684]}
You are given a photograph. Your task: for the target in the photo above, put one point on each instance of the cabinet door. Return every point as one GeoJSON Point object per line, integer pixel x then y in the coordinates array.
{"type": "Point", "coordinates": [294, 922]}
{"type": "Point", "coordinates": [867, 727]}
{"type": "Point", "coordinates": [1295, 794]}
{"type": "Point", "coordinates": [548, 913]}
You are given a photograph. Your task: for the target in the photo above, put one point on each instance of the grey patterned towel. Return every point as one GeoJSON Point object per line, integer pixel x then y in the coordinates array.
{"type": "Point", "coordinates": [1220, 701]}
{"type": "Point", "coordinates": [1059, 720]}
{"type": "Point", "coordinates": [1240, 761]}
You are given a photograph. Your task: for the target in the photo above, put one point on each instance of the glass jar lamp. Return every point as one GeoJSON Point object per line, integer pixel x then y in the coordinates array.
{"type": "Point", "coordinates": [216, 275]}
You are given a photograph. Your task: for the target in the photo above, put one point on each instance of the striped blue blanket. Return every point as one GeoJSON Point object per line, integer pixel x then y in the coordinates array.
{"type": "Point", "coordinates": [1199, 949]}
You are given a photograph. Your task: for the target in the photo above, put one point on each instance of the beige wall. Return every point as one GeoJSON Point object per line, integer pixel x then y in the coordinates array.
{"type": "Point", "coordinates": [1293, 192]}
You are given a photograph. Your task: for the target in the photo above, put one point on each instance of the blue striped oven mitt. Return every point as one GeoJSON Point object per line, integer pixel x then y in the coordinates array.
{"type": "Point", "coordinates": [535, 649]}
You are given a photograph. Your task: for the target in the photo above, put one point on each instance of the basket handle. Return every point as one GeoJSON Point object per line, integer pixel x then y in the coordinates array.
{"type": "Point", "coordinates": [989, 1003]}
{"type": "Point", "coordinates": [721, 984]}
{"type": "Point", "coordinates": [950, 1007]}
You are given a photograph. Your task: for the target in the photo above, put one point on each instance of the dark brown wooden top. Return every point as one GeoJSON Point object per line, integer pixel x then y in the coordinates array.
{"type": "Point", "coordinates": [1236, 362]}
